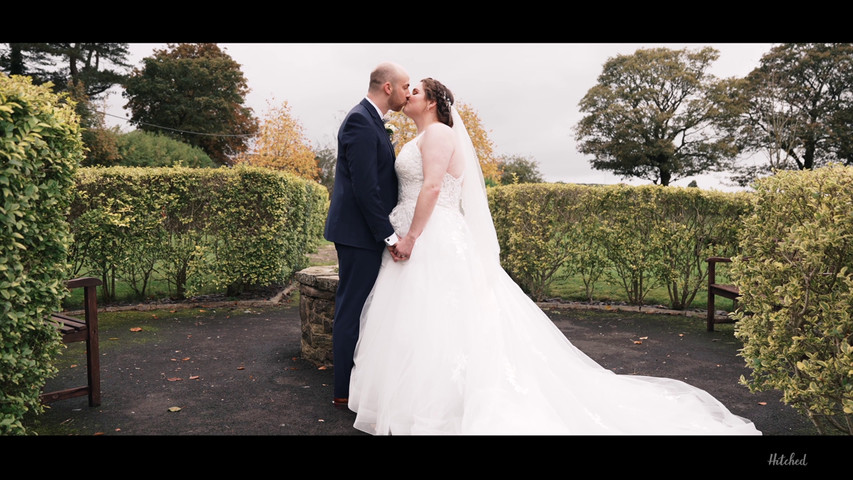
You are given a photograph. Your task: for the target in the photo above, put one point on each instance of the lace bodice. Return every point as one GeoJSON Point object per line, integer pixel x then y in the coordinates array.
{"type": "Point", "coordinates": [410, 174]}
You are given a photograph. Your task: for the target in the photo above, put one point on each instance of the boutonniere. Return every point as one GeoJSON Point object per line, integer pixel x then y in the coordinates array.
{"type": "Point", "coordinates": [390, 129]}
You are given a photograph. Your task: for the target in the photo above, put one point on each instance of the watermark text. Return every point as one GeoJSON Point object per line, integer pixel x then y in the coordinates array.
{"type": "Point", "coordinates": [787, 460]}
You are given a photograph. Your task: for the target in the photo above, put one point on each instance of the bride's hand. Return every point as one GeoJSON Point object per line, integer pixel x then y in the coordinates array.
{"type": "Point", "coordinates": [403, 249]}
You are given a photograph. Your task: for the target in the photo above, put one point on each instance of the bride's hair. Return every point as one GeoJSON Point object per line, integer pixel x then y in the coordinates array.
{"type": "Point", "coordinates": [443, 98]}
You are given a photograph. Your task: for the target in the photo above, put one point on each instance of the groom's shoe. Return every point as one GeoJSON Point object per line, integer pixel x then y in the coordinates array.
{"type": "Point", "coordinates": [340, 402]}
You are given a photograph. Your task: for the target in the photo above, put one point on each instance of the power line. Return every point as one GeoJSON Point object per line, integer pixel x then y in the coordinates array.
{"type": "Point", "coordinates": [182, 131]}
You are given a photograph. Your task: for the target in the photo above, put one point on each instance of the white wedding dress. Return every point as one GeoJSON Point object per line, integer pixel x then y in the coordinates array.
{"type": "Point", "coordinates": [449, 344]}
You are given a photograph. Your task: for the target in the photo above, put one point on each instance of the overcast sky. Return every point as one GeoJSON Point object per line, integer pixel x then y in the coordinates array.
{"type": "Point", "coordinates": [526, 94]}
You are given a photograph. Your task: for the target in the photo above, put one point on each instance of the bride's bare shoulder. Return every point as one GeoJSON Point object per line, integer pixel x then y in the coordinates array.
{"type": "Point", "coordinates": [439, 132]}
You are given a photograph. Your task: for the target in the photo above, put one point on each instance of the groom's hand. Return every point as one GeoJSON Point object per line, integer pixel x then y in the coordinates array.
{"type": "Point", "coordinates": [394, 254]}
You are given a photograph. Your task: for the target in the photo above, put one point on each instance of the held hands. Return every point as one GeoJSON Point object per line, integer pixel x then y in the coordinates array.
{"type": "Point", "coordinates": [401, 250]}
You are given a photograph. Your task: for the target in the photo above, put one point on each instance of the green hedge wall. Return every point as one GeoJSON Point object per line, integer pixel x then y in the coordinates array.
{"type": "Point", "coordinates": [635, 236]}
{"type": "Point", "coordinates": [40, 147]}
{"type": "Point", "coordinates": [224, 229]}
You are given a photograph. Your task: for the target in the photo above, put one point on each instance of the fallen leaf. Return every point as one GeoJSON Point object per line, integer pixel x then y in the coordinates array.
{"type": "Point", "coordinates": [241, 368]}
{"type": "Point", "coordinates": [762, 403]}
{"type": "Point", "coordinates": [174, 379]}
{"type": "Point", "coordinates": [644, 338]}
{"type": "Point", "coordinates": [322, 367]}
{"type": "Point", "coordinates": [680, 334]}
{"type": "Point", "coordinates": [136, 329]}
{"type": "Point", "coordinates": [194, 377]}
{"type": "Point", "coordinates": [637, 342]}
{"type": "Point", "coordinates": [185, 358]}
{"type": "Point", "coordinates": [118, 430]}
{"type": "Point", "coordinates": [174, 409]}
{"type": "Point", "coordinates": [74, 365]}
{"type": "Point", "coordinates": [98, 433]}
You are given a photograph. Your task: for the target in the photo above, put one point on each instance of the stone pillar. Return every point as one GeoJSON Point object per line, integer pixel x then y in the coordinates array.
{"type": "Point", "coordinates": [317, 287]}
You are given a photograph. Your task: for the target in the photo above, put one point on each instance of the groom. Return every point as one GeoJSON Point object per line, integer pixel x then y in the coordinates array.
{"type": "Point", "coordinates": [364, 194]}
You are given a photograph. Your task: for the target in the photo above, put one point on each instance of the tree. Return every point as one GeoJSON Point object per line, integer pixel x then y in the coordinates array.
{"type": "Point", "coordinates": [90, 64]}
{"type": "Point", "coordinates": [25, 59]}
{"type": "Point", "coordinates": [326, 163]}
{"type": "Point", "coordinates": [796, 108]}
{"type": "Point", "coordinates": [405, 130]}
{"type": "Point", "coordinates": [652, 114]}
{"type": "Point", "coordinates": [518, 169]}
{"type": "Point", "coordinates": [85, 71]}
{"type": "Point", "coordinates": [194, 93]}
{"type": "Point", "coordinates": [281, 144]}
{"type": "Point", "coordinates": [96, 66]}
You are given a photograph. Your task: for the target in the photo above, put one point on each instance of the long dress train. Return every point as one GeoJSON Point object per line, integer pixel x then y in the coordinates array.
{"type": "Point", "coordinates": [449, 344]}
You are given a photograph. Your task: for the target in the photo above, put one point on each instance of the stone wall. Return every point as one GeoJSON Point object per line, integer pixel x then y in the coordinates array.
{"type": "Point", "coordinates": [317, 287]}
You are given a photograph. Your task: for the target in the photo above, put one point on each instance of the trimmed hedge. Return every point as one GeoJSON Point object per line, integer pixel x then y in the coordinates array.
{"type": "Point", "coordinates": [40, 147]}
{"type": "Point", "coordinates": [224, 229]}
{"type": "Point", "coordinates": [635, 237]}
{"type": "Point", "coordinates": [795, 275]}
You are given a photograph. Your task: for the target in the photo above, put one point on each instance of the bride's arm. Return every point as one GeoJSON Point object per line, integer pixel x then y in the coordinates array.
{"type": "Point", "coordinates": [436, 147]}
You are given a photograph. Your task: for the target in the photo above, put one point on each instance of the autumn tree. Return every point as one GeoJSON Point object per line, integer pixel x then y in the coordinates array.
{"type": "Point", "coordinates": [406, 130]}
{"type": "Point", "coordinates": [193, 92]}
{"type": "Point", "coordinates": [795, 108]}
{"type": "Point", "coordinates": [652, 116]}
{"type": "Point", "coordinates": [281, 144]}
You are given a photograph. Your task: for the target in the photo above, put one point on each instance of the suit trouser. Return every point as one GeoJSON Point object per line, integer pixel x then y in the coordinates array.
{"type": "Point", "coordinates": [357, 272]}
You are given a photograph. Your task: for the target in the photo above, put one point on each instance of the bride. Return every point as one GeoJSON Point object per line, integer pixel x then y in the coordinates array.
{"type": "Point", "coordinates": [449, 344]}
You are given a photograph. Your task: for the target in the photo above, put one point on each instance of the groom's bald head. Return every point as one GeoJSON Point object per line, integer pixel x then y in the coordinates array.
{"type": "Point", "coordinates": [389, 86]}
{"type": "Point", "coordinates": [387, 72]}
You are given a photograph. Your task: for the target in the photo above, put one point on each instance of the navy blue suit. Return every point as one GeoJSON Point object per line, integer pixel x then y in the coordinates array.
{"type": "Point", "coordinates": [364, 194]}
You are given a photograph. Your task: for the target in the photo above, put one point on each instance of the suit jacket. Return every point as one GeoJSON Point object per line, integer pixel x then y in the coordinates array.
{"type": "Point", "coordinates": [365, 189]}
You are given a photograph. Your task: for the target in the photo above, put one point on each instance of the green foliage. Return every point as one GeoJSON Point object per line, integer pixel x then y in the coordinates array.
{"type": "Point", "coordinates": [226, 229]}
{"type": "Point", "coordinates": [794, 109]}
{"type": "Point", "coordinates": [690, 226]}
{"type": "Point", "coordinates": [40, 148]}
{"type": "Point", "coordinates": [650, 116]}
{"type": "Point", "coordinates": [518, 169]}
{"type": "Point", "coordinates": [197, 92]}
{"type": "Point", "coordinates": [532, 222]}
{"type": "Point", "coordinates": [636, 237]}
{"type": "Point", "coordinates": [146, 149]}
{"type": "Point", "coordinates": [794, 273]}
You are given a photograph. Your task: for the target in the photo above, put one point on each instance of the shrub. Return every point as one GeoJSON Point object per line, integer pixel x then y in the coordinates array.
{"type": "Point", "coordinates": [145, 149]}
{"type": "Point", "coordinates": [795, 278]}
{"type": "Point", "coordinates": [637, 237]}
{"type": "Point", "coordinates": [223, 228]}
{"type": "Point", "coordinates": [40, 148]}
{"type": "Point", "coordinates": [532, 222]}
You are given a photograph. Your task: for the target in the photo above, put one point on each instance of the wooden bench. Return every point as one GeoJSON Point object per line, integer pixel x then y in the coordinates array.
{"type": "Point", "coordinates": [81, 330]}
{"type": "Point", "coordinates": [714, 289]}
